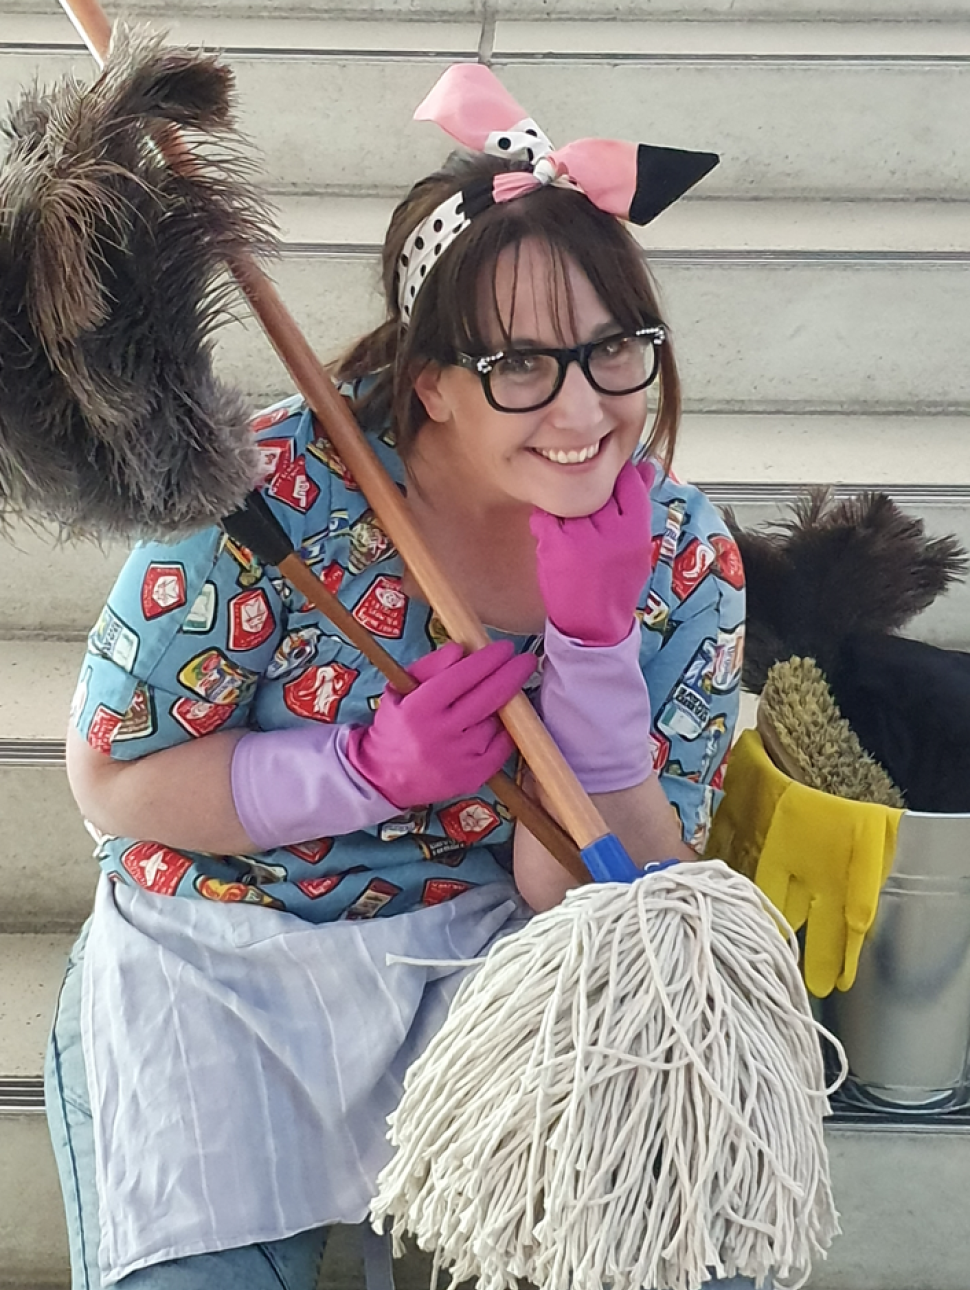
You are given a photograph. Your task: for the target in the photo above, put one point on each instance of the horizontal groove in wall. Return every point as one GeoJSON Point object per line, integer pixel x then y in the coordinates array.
{"type": "Point", "coordinates": [274, 52]}
{"type": "Point", "coordinates": [21, 1095]}
{"type": "Point", "coordinates": [916, 495]}
{"type": "Point", "coordinates": [612, 58]}
{"type": "Point", "coordinates": [32, 752]}
{"type": "Point", "coordinates": [735, 58]}
{"type": "Point", "coordinates": [370, 250]}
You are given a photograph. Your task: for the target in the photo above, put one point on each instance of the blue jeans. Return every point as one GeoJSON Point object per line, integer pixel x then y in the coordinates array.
{"type": "Point", "coordinates": [293, 1264]}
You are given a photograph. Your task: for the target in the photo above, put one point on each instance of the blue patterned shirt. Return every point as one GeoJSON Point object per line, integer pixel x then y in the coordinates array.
{"type": "Point", "coordinates": [198, 636]}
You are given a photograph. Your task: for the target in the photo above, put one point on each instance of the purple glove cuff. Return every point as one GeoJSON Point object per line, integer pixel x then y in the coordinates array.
{"type": "Point", "coordinates": [292, 786]}
{"type": "Point", "coordinates": [595, 703]}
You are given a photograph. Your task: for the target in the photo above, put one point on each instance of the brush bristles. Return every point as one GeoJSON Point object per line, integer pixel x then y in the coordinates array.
{"type": "Point", "coordinates": [112, 283]}
{"type": "Point", "coordinates": [814, 734]}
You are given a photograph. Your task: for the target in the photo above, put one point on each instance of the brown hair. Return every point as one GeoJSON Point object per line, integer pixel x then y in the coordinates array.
{"type": "Point", "coordinates": [446, 315]}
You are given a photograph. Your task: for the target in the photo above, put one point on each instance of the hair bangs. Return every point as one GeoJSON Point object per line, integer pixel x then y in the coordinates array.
{"type": "Point", "coordinates": [458, 308]}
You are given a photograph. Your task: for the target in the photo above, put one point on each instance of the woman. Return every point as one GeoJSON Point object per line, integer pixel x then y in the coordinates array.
{"type": "Point", "coordinates": [219, 1074]}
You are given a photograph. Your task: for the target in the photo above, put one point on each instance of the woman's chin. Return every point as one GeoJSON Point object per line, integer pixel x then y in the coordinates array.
{"type": "Point", "coordinates": [571, 493]}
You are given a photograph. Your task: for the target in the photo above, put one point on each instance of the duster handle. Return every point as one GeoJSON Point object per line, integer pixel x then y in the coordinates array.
{"type": "Point", "coordinates": [555, 777]}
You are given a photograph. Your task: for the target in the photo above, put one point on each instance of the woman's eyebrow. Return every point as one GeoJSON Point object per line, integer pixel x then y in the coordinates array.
{"type": "Point", "coordinates": [608, 328]}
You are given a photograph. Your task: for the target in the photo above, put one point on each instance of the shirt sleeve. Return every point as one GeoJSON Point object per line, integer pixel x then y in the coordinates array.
{"type": "Point", "coordinates": [692, 650]}
{"type": "Point", "coordinates": [189, 629]}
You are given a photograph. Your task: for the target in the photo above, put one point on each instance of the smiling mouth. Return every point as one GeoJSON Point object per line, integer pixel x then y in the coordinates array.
{"type": "Point", "coordinates": [571, 458]}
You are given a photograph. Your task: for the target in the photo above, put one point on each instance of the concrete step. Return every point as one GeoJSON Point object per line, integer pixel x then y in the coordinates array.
{"type": "Point", "coordinates": [32, 1236]}
{"type": "Point", "coordinates": [774, 306]}
{"type": "Point", "coordinates": [769, 97]}
{"type": "Point", "coordinates": [754, 332]}
{"type": "Point", "coordinates": [46, 864]}
{"type": "Point", "coordinates": [900, 1187]}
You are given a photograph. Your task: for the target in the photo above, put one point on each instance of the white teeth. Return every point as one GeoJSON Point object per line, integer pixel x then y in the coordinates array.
{"type": "Point", "coordinates": [570, 458]}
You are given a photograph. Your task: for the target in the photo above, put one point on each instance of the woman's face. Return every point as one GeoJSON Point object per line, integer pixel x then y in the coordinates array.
{"type": "Point", "coordinates": [512, 456]}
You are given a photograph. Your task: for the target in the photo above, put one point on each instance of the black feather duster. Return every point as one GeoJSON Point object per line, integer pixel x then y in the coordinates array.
{"type": "Point", "coordinates": [836, 569]}
{"type": "Point", "coordinates": [835, 583]}
{"type": "Point", "coordinates": [112, 281]}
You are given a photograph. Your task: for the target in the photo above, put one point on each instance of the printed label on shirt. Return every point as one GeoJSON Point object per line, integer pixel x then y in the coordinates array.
{"type": "Point", "coordinates": [80, 700]}
{"type": "Point", "coordinates": [271, 418]}
{"type": "Point", "coordinates": [368, 543]}
{"type": "Point", "coordinates": [687, 711]}
{"type": "Point", "coordinates": [383, 607]}
{"type": "Point", "coordinates": [656, 612]}
{"type": "Point", "coordinates": [441, 850]}
{"type": "Point", "coordinates": [313, 851]}
{"type": "Point", "coordinates": [294, 651]}
{"type": "Point", "coordinates": [318, 692]}
{"type": "Point", "coordinates": [317, 887]}
{"type": "Point", "coordinates": [728, 659]}
{"type": "Point", "coordinates": [659, 749]}
{"type": "Point", "coordinates": [104, 726]}
{"type": "Point", "coordinates": [198, 717]}
{"type": "Point", "coordinates": [373, 898]}
{"type": "Point", "coordinates": [468, 821]}
{"type": "Point", "coordinates": [332, 576]}
{"type": "Point", "coordinates": [714, 737]}
{"type": "Point", "coordinates": [251, 620]}
{"type": "Point", "coordinates": [691, 567]}
{"type": "Point", "coordinates": [415, 821]}
{"type": "Point", "coordinates": [324, 451]}
{"type": "Point", "coordinates": [198, 621]}
{"type": "Point", "coordinates": [702, 828]}
{"type": "Point", "coordinates": [673, 525]}
{"type": "Point", "coordinates": [438, 890]}
{"type": "Point", "coordinates": [156, 868]}
{"type": "Point", "coordinates": [313, 549]}
{"type": "Point", "coordinates": [276, 454]}
{"type": "Point", "coordinates": [216, 678]}
{"type": "Point", "coordinates": [235, 893]}
{"type": "Point", "coordinates": [260, 874]}
{"type": "Point", "coordinates": [250, 569]}
{"type": "Point", "coordinates": [114, 640]}
{"type": "Point", "coordinates": [162, 589]}
{"type": "Point", "coordinates": [728, 564]}
{"type": "Point", "coordinates": [435, 629]}
{"type": "Point", "coordinates": [292, 486]}
{"type": "Point", "coordinates": [139, 721]}
{"type": "Point", "coordinates": [717, 779]}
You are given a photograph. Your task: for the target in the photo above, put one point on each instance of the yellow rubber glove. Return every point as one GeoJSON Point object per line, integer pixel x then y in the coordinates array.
{"type": "Point", "coordinates": [822, 860]}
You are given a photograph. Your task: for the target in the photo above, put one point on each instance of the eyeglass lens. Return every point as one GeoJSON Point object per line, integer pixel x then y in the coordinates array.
{"type": "Point", "coordinates": [617, 365]}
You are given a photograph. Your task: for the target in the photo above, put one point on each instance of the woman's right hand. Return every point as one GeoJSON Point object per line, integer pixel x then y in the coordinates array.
{"type": "Point", "coordinates": [443, 739]}
{"type": "Point", "coordinates": [592, 569]}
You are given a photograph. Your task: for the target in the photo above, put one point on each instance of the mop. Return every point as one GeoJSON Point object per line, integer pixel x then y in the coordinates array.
{"type": "Point", "coordinates": [678, 979]}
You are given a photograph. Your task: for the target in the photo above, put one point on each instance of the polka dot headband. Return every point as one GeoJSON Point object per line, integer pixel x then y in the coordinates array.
{"type": "Point", "coordinates": [633, 181]}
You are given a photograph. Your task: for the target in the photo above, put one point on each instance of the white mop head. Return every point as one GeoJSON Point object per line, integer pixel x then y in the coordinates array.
{"type": "Point", "coordinates": [629, 1093]}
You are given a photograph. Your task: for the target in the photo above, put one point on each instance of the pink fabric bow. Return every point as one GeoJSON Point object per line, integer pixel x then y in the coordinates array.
{"type": "Point", "coordinates": [472, 105]}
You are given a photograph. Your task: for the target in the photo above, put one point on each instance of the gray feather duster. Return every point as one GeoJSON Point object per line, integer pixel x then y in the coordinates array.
{"type": "Point", "coordinates": [112, 281]}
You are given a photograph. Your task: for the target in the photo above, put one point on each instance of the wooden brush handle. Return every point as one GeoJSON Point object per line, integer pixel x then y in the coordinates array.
{"type": "Point", "coordinates": [569, 801]}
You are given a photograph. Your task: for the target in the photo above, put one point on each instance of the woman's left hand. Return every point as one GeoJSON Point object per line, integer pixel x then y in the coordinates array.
{"type": "Point", "coordinates": [592, 569]}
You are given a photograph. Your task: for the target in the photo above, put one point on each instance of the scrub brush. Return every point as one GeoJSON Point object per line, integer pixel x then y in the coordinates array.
{"type": "Point", "coordinates": [807, 737]}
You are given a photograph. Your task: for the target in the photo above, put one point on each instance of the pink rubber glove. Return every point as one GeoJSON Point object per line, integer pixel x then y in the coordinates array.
{"type": "Point", "coordinates": [592, 569]}
{"type": "Point", "coordinates": [443, 739]}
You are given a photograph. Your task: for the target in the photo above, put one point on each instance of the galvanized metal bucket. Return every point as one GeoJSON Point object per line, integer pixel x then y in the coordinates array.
{"type": "Point", "coordinates": [905, 1023]}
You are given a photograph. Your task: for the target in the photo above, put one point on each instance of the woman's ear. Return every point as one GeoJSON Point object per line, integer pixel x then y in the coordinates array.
{"type": "Point", "coordinates": [427, 386]}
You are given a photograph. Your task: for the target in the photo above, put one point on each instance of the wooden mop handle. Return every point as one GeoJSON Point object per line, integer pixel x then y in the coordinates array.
{"type": "Point", "coordinates": [566, 795]}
